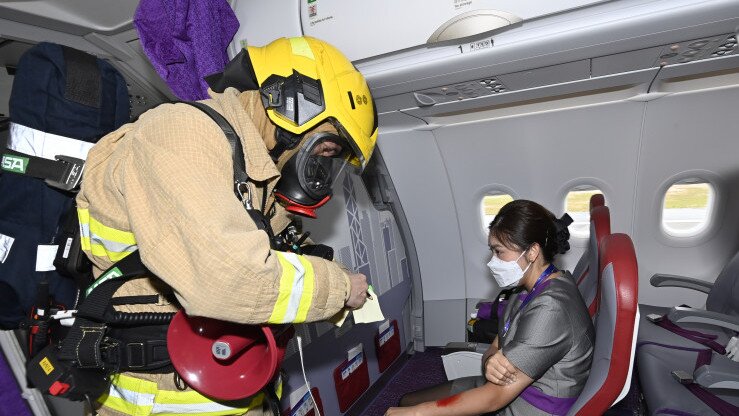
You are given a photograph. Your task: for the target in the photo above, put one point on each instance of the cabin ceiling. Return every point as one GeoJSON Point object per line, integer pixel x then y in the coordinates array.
{"type": "Point", "coordinates": [77, 17]}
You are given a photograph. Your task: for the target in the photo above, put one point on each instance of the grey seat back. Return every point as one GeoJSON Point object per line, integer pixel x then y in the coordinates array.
{"type": "Point", "coordinates": [588, 284]}
{"type": "Point", "coordinates": [724, 296]}
{"type": "Point", "coordinates": [582, 268]}
{"type": "Point", "coordinates": [617, 325]}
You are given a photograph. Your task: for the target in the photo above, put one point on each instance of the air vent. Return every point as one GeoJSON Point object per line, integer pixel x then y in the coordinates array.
{"type": "Point", "coordinates": [726, 48]}
{"type": "Point", "coordinates": [696, 49]}
{"type": "Point", "coordinates": [461, 91]}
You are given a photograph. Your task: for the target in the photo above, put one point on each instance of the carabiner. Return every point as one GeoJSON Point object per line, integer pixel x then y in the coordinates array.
{"type": "Point", "coordinates": [240, 186]}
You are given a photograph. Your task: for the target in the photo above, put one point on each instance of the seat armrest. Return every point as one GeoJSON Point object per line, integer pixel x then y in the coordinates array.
{"type": "Point", "coordinates": [723, 375]}
{"type": "Point", "coordinates": [686, 315]}
{"type": "Point", "coordinates": [673, 280]}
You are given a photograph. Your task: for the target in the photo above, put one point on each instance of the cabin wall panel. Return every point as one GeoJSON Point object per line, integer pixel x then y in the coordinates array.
{"type": "Point", "coordinates": [539, 156]}
{"type": "Point", "coordinates": [687, 132]}
{"type": "Point", "coordinates": [414, 162]}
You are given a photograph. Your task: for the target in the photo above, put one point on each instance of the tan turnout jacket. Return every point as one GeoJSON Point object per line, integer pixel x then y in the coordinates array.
{"type": "Point", "coordinates": [164, 185]}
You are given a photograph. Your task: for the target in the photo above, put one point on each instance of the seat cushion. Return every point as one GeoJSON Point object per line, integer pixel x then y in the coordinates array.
{"type": "Point", "coordinates": [649, 332]}
{"type": "Point", "coordinates": [662, 391]}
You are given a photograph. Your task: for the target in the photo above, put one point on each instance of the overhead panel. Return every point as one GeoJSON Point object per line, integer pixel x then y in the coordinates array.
{"type": "Point", "coordinates": [668, 54]}
{"type": "Point", "coordinates": [494, 85]}
{"type": "Point", "coordinates": [364, 29]}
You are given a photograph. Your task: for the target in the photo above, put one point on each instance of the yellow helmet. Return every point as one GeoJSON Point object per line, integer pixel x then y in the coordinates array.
{"type": "Point", "coordinates": [305, 82]}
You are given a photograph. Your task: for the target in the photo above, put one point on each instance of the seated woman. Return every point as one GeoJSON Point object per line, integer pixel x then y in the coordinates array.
{"type": "Point", "coordinates": [540, 361]}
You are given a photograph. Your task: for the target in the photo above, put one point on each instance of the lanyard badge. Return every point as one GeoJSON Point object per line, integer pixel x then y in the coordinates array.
{"type": "Point", "coordinates": [531, 295]}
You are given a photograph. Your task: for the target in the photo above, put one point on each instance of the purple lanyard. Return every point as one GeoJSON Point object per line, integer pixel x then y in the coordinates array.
{"type": "Point", "coordinates": [548, 271]}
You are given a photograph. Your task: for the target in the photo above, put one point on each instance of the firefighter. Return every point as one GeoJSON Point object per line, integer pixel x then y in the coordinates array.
{"type": "Point", "coordinates": [164, 186]}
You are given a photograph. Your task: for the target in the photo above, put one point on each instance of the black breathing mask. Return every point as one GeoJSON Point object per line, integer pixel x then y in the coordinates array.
{"type": "Point", "coordinates": [308, 176]}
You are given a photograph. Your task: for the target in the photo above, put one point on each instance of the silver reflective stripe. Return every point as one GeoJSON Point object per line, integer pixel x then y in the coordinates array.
{"type": "Point", "coordinates": [45, 145]}
{"type": "Point", "coordinates": [6, 242]}
{"type": "Point", "coordinates": [192, 408]}
{"type": "Point", "coordinates": [297, 289]}
{"type": "Point", "coordinates": [112, 246]}
{"type": "Point", "coordinates": [133, 397]}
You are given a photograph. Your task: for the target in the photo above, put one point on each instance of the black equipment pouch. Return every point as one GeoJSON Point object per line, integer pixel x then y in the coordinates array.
{"type": "Point", "coordinates": [48, 373]}
{"type": "Point", "coordinates": [70, 260]}
{"type": "Point", "coordinates": [103, 341]}
{"type": "Point", "coordinates": [318, 250]}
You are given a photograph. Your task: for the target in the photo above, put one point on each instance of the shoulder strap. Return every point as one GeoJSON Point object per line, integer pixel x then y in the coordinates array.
{"type": "Point", "coordinates": [237, 151]}
{"type": "Point", "coordinates": [241, 189]}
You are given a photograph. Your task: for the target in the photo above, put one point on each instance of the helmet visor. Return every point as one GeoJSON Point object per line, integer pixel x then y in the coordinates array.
{"type": "Point", "coordinates": [321, 160]}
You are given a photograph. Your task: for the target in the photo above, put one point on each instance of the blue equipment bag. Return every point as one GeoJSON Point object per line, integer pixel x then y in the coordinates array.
{"type": "Point", "coordinates": [63, 100]}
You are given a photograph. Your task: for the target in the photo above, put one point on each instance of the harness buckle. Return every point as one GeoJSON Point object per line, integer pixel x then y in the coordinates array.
{"type": "Point", "coordinates": [71, 175]}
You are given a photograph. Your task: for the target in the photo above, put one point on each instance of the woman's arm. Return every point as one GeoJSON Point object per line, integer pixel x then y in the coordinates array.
{"type": "Point", "coordinates": [496, 368]}
{"type": "Point", "coordinates": [483, 399]}
{"type": "Point", "coordinates": [491, 351]}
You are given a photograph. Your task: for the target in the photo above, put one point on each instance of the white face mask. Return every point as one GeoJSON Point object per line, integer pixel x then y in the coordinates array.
{"type": "Point", "coordinates": [507, 273]}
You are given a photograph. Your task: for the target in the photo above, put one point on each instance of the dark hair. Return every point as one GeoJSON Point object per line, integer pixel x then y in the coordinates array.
{"type": "Point", "coordinates": [521, 223]}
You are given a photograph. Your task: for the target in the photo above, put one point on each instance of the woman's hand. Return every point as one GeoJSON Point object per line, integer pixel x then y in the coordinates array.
{"type": "Point", "coordinates": [500, 371]}
{"type": "Point", "coordinates": [401, 411]}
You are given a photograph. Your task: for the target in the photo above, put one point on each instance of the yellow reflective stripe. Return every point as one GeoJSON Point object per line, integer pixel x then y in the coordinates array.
{"type": "Point", "coordinates": [134, 384]}
{"type": "Point", "coordinates": [297, 284]}
{"type": "Point", "coordinates": [100, 251]}
{"type": "Point", "coordinates": [308, 284]}
{"type": "Point", "coordinates": [181, 406]}
{"type": "Point", "coordinates": [103, 241]}
{"type": "Point", "coordinates": [130, 395]}
{"type": "Point", "coordinates": [136, 396]}
{"type": "Point", "coordinates": [285, 291]}
{"type": "Point", "coordinates": [278, 391]}
{"type": "Point", "coordinates": [102, 230]}
{"type": "Point", "coordinates": [111, 234]}
{"type": "Point", "coordinates": [121, 405]}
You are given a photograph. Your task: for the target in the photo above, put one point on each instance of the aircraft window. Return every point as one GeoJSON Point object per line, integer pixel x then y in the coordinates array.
{"type": "Point", "coordinates": [686, 208]}
{"type": "Point", "coordinates": [577, 204]}
{"type": "Point", "coordinates": [491, 204]}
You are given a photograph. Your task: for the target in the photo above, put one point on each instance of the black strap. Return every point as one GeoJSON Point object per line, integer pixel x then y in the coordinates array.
{"type": "Point", "coordinates": [64, 173]}
{"type": "Point", "coordinates": [237, 151]}
{"type": "Point", "coordinates": [135, 300]}
{"type": "Point", "coordinates": [83, 343]}
{"type": "Point", "coordinates": [284, 141]}
{"type": "Point", "coordinates": [241, 178]}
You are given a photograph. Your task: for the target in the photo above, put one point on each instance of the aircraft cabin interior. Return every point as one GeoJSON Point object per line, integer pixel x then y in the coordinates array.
{"type": "Point", "coordinates": [620, 117]}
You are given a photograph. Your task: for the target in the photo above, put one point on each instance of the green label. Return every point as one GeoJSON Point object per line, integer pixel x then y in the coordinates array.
{"type": "Point", "coordinates": [311, 1]}
{"type": "Point", "coordinates": [15, 164]}
{"type": "Point", "coordinates": [110, 274]}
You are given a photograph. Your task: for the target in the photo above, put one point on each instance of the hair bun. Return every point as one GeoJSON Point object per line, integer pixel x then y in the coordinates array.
{"type": "Point", "coordinates": [563, 233]}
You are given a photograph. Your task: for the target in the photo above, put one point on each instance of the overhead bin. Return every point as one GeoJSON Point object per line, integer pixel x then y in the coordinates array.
{"type": "Point", "coordinates": [556, 48]}
{"type": "Point", "coordinates": [364, 29]}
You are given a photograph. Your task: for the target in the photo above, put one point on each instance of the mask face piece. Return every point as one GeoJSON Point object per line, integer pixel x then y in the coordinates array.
{"type": "Point", "coordinates": [308, 176]}
{"type": "Point", "coordinates": [507, 273]}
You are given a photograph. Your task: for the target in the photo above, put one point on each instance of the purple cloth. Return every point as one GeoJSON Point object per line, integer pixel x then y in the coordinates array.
{"type": "Point", "coordinates": [696, 336]}
{"type": "Point", "coordinates": [186, 40]}
{"type": "Point", "coordinates": [673, 412]}
{"type": "Point", "coordinates": [546, 403]}
{"type": "Point", "coordinates": [485, 310]}
{"type": "Point", "coordinates": [11, 401]}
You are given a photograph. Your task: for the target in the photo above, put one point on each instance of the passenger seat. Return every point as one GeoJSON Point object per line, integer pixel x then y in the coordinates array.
{"type": "Point", "coordinates": [586, 271]}
{"type": "Point", "coordinates": [616, 327]}
{"type": "Point", "coordinates": [679, 373]}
